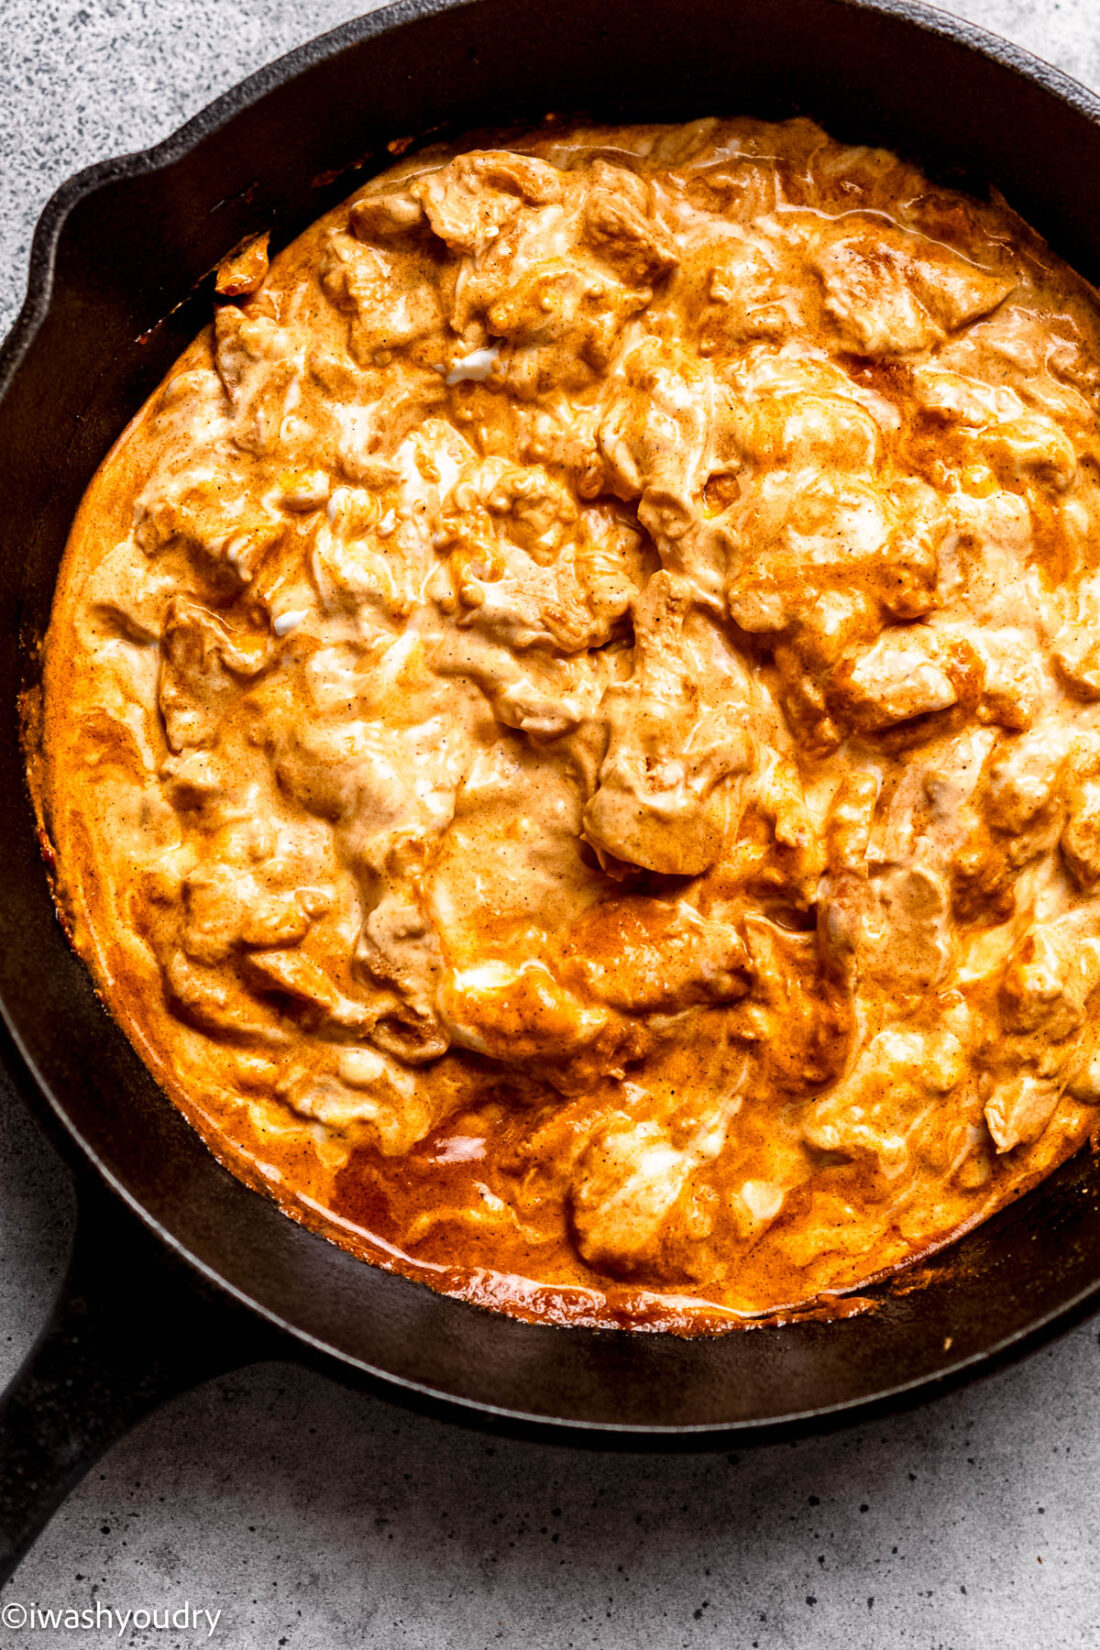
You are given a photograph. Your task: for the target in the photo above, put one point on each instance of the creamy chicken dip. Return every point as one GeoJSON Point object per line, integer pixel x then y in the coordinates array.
{"type": "Point", "coordinates": [572, 719]}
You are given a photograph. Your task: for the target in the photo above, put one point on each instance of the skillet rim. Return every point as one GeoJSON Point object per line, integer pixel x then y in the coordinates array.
{"type": "Point", "coordinates": [32, 315]}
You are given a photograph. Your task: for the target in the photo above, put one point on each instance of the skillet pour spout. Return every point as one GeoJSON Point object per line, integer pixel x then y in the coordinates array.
{"type": "Point", "coordinates": [121, 279]}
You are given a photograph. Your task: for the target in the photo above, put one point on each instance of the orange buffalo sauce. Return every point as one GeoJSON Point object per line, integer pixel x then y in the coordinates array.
{"type": "Point", "coordinates": [571, 720]}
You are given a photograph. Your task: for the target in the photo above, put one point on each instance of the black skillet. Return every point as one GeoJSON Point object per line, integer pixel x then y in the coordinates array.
{"type": "Point", "coordinates": [178, 1270]}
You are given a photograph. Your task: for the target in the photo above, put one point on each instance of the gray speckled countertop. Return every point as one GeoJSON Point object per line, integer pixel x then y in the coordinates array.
{"type": "Point", "coordinates": [317, 1518]}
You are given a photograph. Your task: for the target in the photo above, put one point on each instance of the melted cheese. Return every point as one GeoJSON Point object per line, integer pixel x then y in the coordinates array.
{"type": "Point", "coordinates": [573, 719]}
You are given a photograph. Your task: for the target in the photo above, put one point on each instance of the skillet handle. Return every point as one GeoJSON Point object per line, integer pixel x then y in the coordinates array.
{"type": "Point", "coordinates": [129, 1328]}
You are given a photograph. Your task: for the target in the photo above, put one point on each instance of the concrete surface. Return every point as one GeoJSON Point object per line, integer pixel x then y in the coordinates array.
{"type": "Point", "coordinates": [320, 1519]}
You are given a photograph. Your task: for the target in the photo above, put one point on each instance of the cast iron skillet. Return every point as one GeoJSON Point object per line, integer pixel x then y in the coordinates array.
{"type": "Point", "coordinates": [200, 1273]}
